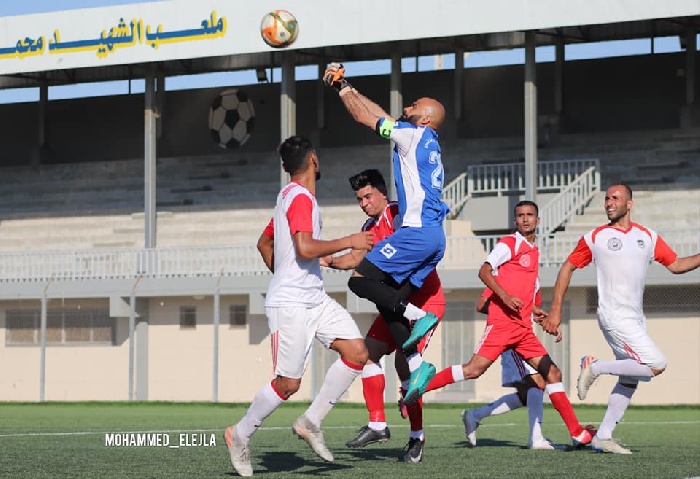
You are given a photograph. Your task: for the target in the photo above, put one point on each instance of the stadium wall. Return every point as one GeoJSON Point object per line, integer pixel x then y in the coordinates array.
{"type": "Point", "coordinates": [627, 93]}
{"type": "Point", "coordinates": [180, 361]}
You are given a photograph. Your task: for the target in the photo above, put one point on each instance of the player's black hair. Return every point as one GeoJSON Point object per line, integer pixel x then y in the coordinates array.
{"type": "Point", "coordinates": [371, 177]}
{"type": "Point", "coordinates": [295, 152]}
{"type": "Point", "coordinates": [527, 203]}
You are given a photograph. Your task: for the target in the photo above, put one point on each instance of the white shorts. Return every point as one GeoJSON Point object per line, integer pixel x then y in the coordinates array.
{"type": "Point", "coordinates": [514, 368]}
{"type": "Point", "coordinates": [293, 329]}
{"type": "Point", "coordinates": [629, 339]}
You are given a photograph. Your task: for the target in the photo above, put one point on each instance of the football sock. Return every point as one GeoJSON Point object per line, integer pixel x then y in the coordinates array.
{"type": "Point", "coordinates": [413, 312]}
{"type": "Point", "coordinates": [535, 412]}
{"type": "Point", "coordinates": [500, 406]}
{"type": "Point", "coordinates": [622, 367]}
{"type": "Point", "coordinates": [338, 379]}
{"type": "Point", "coordinates": [563, 406]}
{"type": "Point", "coordinates": [415, 416]}
{"type": "Point", "coordinates": [373, 383]}
{"type": "Point", "coordinates": [265, 401]}
{"type": "Point", "coordinates": [617, 405]}
{"type": "Point", "coordinates": [453, 374]}
{"type": "Point", "coordinates": [414, 361]}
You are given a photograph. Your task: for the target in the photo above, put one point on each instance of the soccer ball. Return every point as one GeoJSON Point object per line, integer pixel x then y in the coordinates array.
{"type": "Point", "coordinates": [231, 118]}
{"type": "Point", "coordinates": [279, 29]}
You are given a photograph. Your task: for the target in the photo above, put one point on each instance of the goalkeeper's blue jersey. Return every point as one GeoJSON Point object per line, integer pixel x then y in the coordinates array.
{"type": "Point", "coordinates": [418, 172]}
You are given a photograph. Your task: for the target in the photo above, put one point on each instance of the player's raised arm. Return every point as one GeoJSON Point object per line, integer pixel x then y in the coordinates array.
{"type": "Point", "coordinates": [362, 109]}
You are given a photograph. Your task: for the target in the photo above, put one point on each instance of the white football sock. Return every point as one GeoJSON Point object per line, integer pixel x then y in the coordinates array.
{"type": "Point", "coordinates": [500, 406]}
{"type": "Point", "coordinates": [413, 313]}
{"type": "Point", "coordinates": [619, 399]}
{"type": "Point", "coordinates": [338, 379]}
{"type": "Point", "coordinates": [414, 361]}
{"type": "Point", "coordinates": [264, 403]}
{"type": "Point", "coordinates": [622, 367]}
{"type": "Point", "coordinates": [535, 411]}
{"type": "Point", "coordinates": [457, 373]}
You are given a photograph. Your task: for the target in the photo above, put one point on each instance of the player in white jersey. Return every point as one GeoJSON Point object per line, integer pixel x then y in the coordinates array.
{"type": "Point", "coordinates": [298, 309]}
{"type": "Point", "coordinates": [622, 251]}
{"type": "Point", "coordinates": [401, 262]}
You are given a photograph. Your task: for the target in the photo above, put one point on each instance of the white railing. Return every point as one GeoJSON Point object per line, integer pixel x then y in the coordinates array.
{"type": "Point", "coordinates": [456, 194]}
{"type": "Point", "coordinates": [510, 177]}
{"type": "Point", "coordinates": [569, 201]}
{"type": "Point", "coordinates": [461, 253]}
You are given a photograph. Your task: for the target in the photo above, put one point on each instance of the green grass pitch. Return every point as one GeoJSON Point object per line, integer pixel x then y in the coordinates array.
{"type": "Point", "coordinates": [57, 440]}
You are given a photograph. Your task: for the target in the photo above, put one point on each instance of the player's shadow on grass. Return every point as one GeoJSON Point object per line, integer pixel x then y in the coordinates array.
{"type": "Point", "coordinates": [291, 461]}
{"type": "Point", "coordinates": [373, 453]}
{"type": "Point", "coordinates": [487, 443]}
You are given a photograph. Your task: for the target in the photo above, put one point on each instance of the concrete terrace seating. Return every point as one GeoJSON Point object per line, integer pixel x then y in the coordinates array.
{"type": "Point", "coordinates": [658, 208]}
{"type": "Point", "coordinates": [228, 198]}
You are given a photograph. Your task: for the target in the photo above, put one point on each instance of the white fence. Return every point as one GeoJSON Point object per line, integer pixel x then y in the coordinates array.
{"type": "Point", "coordinates": [508, 178]}
{"type": "Point", "coordinates": [462, 253]}
{"type": "Point", "coordinates": [569, 201]}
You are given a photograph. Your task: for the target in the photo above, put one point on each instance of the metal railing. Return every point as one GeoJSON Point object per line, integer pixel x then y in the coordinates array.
{"type": "Point", "coordinates": [510, 177]}
{"type": "Point", "coordinates": [462, 252]}
{"type": "Point", "coordinates": [456, 194]}
{"type": "Point", "coordinates": [569, 201]}
{"type": "Point", "coordinates": [499, 179]}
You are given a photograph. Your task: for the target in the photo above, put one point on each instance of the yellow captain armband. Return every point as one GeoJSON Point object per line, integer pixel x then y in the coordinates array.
{"type": "Point", "coordinates": [385, 127]}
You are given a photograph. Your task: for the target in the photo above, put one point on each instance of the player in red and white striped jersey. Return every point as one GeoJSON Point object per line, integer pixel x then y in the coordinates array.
{"type": "Point", "coordinates": [371, 193]}
{"type": "Point", "coordinates": [299, 310]}
{"type": "Point", "coordinates": [622, 251]}
{"type": "Point", "coordinates": [509, 320]}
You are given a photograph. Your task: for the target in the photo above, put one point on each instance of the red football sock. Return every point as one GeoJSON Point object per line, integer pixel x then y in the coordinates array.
{"type": "Point", "coordinates": [443, 378]}
{"type": "Point", "coordinates": [373, 390]}
{"type": "Point", "coordinates": [563, 406]}
{"type": "Point", "coordinates": [415, 415]}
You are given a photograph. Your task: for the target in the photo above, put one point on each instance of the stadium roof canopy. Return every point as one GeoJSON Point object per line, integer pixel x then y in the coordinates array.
{"type": "Point", "coordinates": [185, 37]}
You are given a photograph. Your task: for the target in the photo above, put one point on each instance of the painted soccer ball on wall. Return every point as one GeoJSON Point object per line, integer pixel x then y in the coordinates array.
{"type": "Point", "coordinates": [279, 28]}
{"type": "Point", "coordinates": [231, 118]}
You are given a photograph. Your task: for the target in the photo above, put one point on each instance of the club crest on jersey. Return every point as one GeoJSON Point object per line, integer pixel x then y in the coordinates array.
{"type": "Point", "coordinates": [614, 244]}
{"type": "Point", "coordinates": [641, 244]}
{"type": "Point", "coordinates": [525, 261]}
{"type": "Point", "coordinates": [388, 250]}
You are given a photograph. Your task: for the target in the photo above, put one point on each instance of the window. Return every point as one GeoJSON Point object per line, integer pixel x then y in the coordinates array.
{"type": "Point", "coordinates": [673, 299]}
{"type": "Point", "coordinates": [188, 317]}
{"type": "Point", "coordinates": [63, 326]}
{"type": "Point", "coordinates": [237, 315]}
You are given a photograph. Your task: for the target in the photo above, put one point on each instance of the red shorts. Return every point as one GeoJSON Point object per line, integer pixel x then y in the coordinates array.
{"type": "Point", "coordinates": [502, 334]}
{"type": "Point", "coordinates": [380, 328]}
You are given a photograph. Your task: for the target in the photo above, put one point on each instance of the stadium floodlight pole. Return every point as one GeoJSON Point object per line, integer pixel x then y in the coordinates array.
{"type": "Point", "coordinates": [530, 117]}
{"type": "Point", "coordinates": [395, 105]}
{"type": "Point", "coordinates": [42, 354]}
{"type": "Point", "coordinates": [288, 107]}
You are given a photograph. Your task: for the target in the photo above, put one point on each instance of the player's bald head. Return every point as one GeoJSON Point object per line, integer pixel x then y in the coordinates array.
{"type": "Point", "coordinates": [430, 107]}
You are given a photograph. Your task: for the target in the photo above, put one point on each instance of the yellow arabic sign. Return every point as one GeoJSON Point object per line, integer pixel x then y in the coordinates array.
{"type": "Point", "coordinates": [122, 35]}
